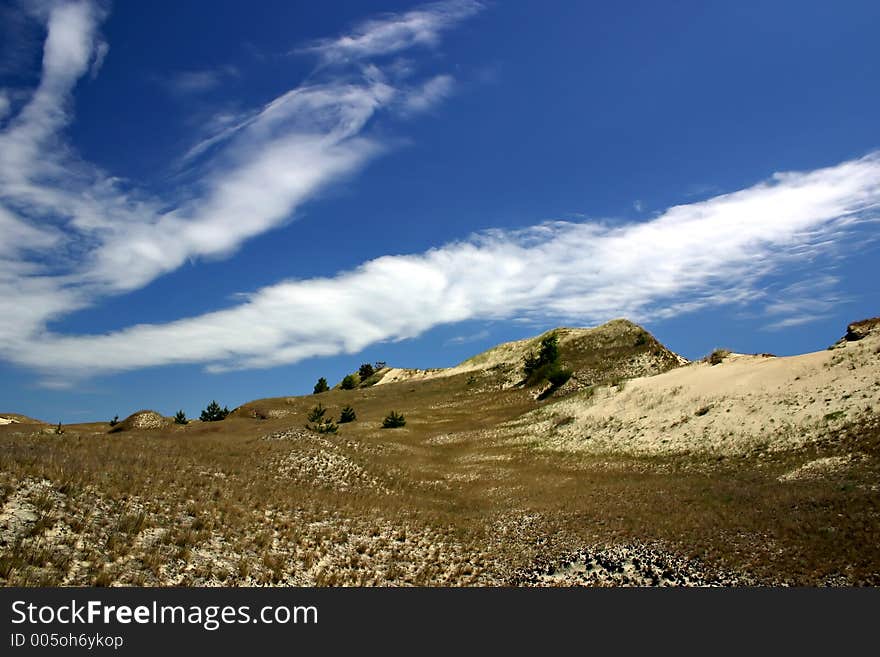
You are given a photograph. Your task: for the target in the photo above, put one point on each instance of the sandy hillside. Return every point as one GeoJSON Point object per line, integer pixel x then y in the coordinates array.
{"type": "Point", "coordinates": [615, 350]}
{"type": "Point", "coordinates": [746, 403]}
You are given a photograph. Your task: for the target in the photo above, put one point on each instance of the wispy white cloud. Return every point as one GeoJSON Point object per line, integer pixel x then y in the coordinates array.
{"type": "Point", "coordinates": [185, 83]}
{"type": "Point", "coordinates": [428, 95]}
{"type": "Point", "coordinates": [75, 233]}
{"type": "Point", "coordinates": [706, 253]}
{"type": "Point", "coordinates": [101, 50]}
{"type": "Point", "coordinates": [792, 321]}
{"type": "Point", "coordinates": [395, 32]}
{"type": "Point", "coordinates": [803, 302]}
{"type": "Point", "coordinates": [465, 339]}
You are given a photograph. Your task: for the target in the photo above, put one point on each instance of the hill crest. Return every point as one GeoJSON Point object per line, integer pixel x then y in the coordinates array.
{"type": "Point", "coordinates": [618, 349]}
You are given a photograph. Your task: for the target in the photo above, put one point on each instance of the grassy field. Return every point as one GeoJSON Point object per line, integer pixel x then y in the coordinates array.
{"type": "Point", "coordinates": [452, 498]}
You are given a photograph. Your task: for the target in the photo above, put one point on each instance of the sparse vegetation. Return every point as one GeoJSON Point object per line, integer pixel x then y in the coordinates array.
{"type": "Point", "coordinates": [347, 415]}
{"type": "Point", "coordinates": [321, 386]}
{"type": "Point", "coordinates": [213, 412]}
{"type": "Point", "coordinates": [180, 417]}
{"type": "Point", "coordinates": [393, 420]}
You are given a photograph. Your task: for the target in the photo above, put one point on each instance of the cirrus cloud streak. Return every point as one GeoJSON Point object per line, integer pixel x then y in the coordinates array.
{"type": "Point", "coordinates": [707, 253]}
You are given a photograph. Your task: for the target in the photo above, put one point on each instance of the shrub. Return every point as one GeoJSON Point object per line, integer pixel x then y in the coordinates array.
{"type": "Point", "coordinates": [365, 371]}
{"type": "Point", "coordinates": [317, 413]}
{"type": "Point", "coordinates": [213, 413]}
{"type": "Point", "coordinates": [321, 386]}
{"type": "Point", "coordinates": [350, 382]}
{"type": "Point", "coordinates": [393, 420]}
{"type": "Point", "coordinates": [717, 356]}
{"type": "Point", "coordinates": [58, 429]}
{"type": "Point", "coordinates": [180, 417]}
{"type": "Point", "coordinates": [327, 426]}
{"type": "Point", "coordinates": [114, 421]}
{"type": "Point", "coordinates": [558, 376]}
{"type": "Point", "coordinates": [318, 422]}
{"type": "Point", "coordinates": [347, 415]}
{"type": "Point", "coordinates": [380, 365]}
{"type": "Point", "coordinates": [538, 365]}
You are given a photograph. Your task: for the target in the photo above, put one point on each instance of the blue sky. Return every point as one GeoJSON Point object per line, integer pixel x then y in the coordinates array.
{"type": "Point", "coordinates": [226, 200]}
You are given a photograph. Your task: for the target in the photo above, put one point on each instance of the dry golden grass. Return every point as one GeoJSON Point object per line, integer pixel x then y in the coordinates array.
{"type": "Point", "coordinates": [452, 498]}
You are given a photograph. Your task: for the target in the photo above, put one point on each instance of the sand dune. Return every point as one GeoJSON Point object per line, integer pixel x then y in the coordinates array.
{"type": "Point", "coordinates": [743, 404]}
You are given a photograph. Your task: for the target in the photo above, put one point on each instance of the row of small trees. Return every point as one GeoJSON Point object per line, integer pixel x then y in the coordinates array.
{"type": "Point", "coordinates": [318, 420]}
{"type": "Point", "coordinates": [351, 381]}
{"type": "Point", "coordinates": [212, 413]}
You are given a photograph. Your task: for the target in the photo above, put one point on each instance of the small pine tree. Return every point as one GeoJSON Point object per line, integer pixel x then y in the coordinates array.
{"type": "Point", "coordinates": [393, 420]}
{"type": "Point", "coordinates": [537, 366]}
{"type": "Point", "coordinates": [213, 413]}
{"type": "Point", "coordinates": [58, 429]}
{"type": "Point", "coordinates": [365, 371]}
{"type": "Point", "coordinates": [328, 426]}
{"type": "Point", "coordinates": [321, 386]}
{"type": "Point", "coordinates": [380, 365]}
{"type": "Point", "coordinates": [317, 413]}
{"type": "Point", "coordinates": [549, 352]}
{"type": "Point", "coordinates": [180, 417]}
{"type": "Point", "coordinates": [350, 382]}
{"type": "Point", "coordinates": [318, 422]}
{"type": "Point", "coordinates": [347, 415]}
{"type": "Point", "coordinates": [114, 421]}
